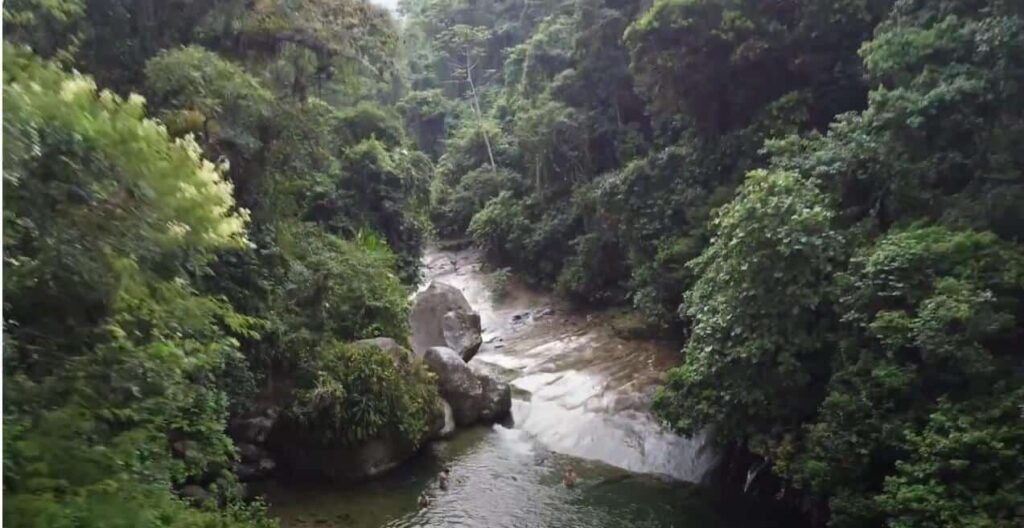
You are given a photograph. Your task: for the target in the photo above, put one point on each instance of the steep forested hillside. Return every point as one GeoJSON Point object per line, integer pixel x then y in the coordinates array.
{"type": "Point", "coordinates": [825, 199]}
{"type": "Point", "coordinates": [206, 202]}
{"type": "Point", "coordinates": [205, 213]}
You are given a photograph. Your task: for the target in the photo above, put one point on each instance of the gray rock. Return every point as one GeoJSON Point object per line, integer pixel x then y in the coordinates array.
{"type": "Point", "coordinates": [248, 472]}
{"type": "Point", "coordinates": [250, 453]}
{"type": "Point", "coordinates": [456, 383]}
{"type": "Point", "coordinates": [427, 315]}
{"type": "Point", "coordinates": [473, 397]}
{"type": "Point", "coordinates": [195, 493]}
{"type": "Point", "coordinates": [298, 455]}
{"type": "Point", "coordinates": [461, 331]}
{"type": "Point", "coordinates": [449, 420]}
{"type": "Point", "coordinates": [435, 420]}
{"type": "Point", "coordinates": [252, 430]}
{"type": "Point", "coordinates": [497, 399]}
{"type": "Point", "coordinates": [257, 470]}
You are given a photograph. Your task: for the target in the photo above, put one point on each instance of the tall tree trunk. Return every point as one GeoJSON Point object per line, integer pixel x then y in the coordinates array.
{"type": "Point", "coordinates": [479, 114]}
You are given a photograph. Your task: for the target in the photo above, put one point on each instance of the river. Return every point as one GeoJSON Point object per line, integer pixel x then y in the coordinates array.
{"type": "Point", "coordinates": [580, 397]}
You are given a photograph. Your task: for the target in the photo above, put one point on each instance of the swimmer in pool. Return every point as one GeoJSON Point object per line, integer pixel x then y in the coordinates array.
{"type": "Point", "coordinates": [442, 479]}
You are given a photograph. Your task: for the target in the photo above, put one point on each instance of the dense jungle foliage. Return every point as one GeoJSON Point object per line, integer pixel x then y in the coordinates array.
{"type": "Point", "coordinates": [202, 199]}
{"type": "Point", "coordinates": [824, 199]}
{"type": "Point", "coordinates": [208, 199]}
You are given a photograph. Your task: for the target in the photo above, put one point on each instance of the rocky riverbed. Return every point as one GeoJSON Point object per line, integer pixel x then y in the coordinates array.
{"type": "Point", "coordinates": [580, 397]}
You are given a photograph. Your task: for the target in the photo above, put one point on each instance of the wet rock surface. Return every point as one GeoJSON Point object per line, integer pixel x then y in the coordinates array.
{"type": "Point", "coordinates": [497, 399]}
{"type": "Point", "coordinates": [441, 316]}
{"type": "Point", "coordinates": [456, 383]}
{"type": "Point", "coordinates": [579, 388]}
{"type": "Point", "coordinates": [445, 426]}
{"type": "Point", "coordinates": [461, 332]}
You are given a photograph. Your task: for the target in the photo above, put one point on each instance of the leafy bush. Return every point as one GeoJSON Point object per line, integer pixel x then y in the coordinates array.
{"type": "Point", "coordinates": [593, 274]}
{"type": "Point", "coordinates": [110, 353]}
{"type": "Point", "coordinates": [217, 100]}
{"type": "Point", "coordinates": [366, 121]}
{"type": "Point", "coordinates": [428, 114]}
{"type": "Point", "coordinates": [382, 187]}
{"type": "Point", "coordinates": [336, 290]}
{"type": "Point", "coordinates": [352, 393]}
{"type": "Point", "coordinates": [501, 228]}
{"type": "Point", "coordinates": [760, 306]}
{"type": "Point", "coordinates": [453, 208]}
{"type": "Point", "coordinates": [930, 318]}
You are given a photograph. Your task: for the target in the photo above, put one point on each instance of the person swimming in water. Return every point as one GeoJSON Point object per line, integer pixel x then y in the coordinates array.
{"type": "Point", "coordinates": [570, 477]}
{"type": "Point", "coordinates": [424, 500]}
{"type": "Point", "coordinates": [442, 479]}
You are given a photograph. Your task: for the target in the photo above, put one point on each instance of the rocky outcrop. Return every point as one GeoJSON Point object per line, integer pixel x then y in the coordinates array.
{"type": "Point", "coordinates": [253, 429]}
{"type": "Point", "coordinates": [299, 454]}
{"type": "Point", "coordinates": [250, 434]}
{"type": "Point", "coordinates": [461, 333]}
{"type": "Point", "coordinates": [254, 462]}
{"type": "Point", "coordinates": [442, 421]}
{"type": "Point", "coordinates": [473, 397]}
{"type": "Point", "coordinates": [441, 316]}
{"type": "Point", "coordinates": [497, 401]}
{"type": "Point", "coordinates": [456, 383]}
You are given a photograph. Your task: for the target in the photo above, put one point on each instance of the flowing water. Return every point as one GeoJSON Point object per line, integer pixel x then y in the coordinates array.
{"type": "Point", "coordinates": [580, 397]}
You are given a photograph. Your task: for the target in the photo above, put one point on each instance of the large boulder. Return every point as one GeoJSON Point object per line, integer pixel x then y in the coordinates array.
{"type": "Point", "coordinates": [253, 429]}
{"type": "Point", "coordinates": [473, 397]}
{"type": "Point", "coordinates": [442, 422]}
{"type": "Point", "coordinates": [300, 453]}
{"type": "Point", "coordinates": [461, 333]}
{"type": "Point", "coordinates": [456, 383]}
{"type": "Point", "coordinates": [449, 419]}
{"type": "Point", "coordinates": [497, 399]}
{"type": "Point", "coordinates": [428, 321]}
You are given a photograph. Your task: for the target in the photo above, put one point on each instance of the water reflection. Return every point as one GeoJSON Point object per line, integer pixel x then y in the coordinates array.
{"type": "Point", "coordinates": [502, 478]}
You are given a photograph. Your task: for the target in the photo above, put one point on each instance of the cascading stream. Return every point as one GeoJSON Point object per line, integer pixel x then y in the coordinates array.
{"type": "Point", "coordinates": [580, 398]}
{"type": "Point", "coordinates": [581, 390]}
